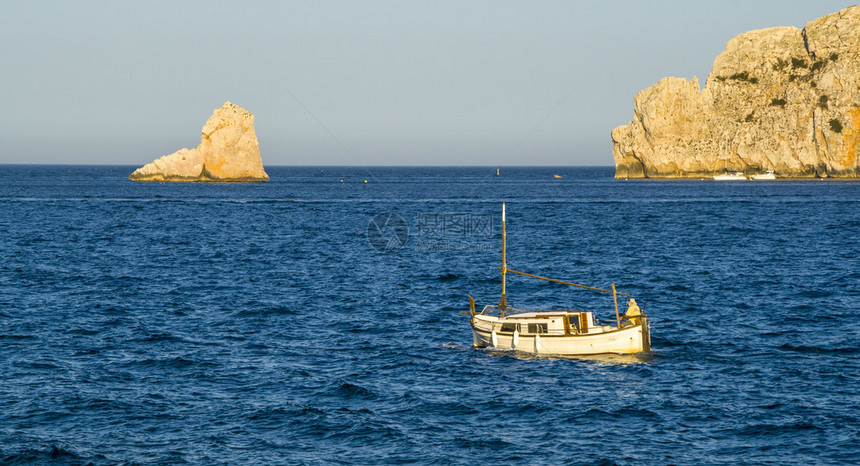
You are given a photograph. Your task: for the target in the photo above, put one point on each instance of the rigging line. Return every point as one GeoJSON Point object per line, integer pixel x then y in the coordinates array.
{"type": "Point", "coordinates": [566, 283]}
{"type": "Point", "coordinates": [339, 142]}
{"type": "Point", "coordinates": [518, 144]}
{"type": "Point", "coordinates": [527, 135]}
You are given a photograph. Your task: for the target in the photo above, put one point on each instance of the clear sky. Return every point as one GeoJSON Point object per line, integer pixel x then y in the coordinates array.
{"type": "Point", "coordinates": [380, 82]}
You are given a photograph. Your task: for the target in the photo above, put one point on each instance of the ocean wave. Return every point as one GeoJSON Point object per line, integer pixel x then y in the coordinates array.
{"type": "Point", "coordinates": [768, 429]}
{"type": "Point", "coordinates": [50, 454]}
{"type": "Point", "coordinates": [349, 390]}
{"type": "Point", "coordinates": [808, 349]}
{"type": "Point", "coordinates": [17, 337]}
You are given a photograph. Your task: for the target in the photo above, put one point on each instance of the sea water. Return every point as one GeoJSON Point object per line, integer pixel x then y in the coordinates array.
{"type": "Point", "coordinates": [314, 318]}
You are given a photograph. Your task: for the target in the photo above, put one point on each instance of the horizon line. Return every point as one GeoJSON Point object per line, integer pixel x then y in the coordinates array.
{"type": "Point", "coordinates": [38, 164]}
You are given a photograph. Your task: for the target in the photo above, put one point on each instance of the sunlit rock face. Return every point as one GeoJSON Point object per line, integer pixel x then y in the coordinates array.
{"type": "Point", "coordinates": [228, 151]}
{"type": "Point", "coordinates": [780, 99]}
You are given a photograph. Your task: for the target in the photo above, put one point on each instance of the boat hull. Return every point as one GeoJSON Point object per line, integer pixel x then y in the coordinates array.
{"type": "Point", "coordinates": [734, 177]}
{"type": "Point", "coordinates": [632, 339]}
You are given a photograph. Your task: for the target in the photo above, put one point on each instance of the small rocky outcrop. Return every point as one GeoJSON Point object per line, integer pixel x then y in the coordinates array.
{"type": "Point", "coordinates": [780, 99]}
{"type": "Point", "coordinates": [228, 151]}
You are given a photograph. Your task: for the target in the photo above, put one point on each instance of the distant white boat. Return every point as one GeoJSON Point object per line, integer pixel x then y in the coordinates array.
{"type": "Point", "coordinates": [768, 175]}
{"type": "Point", "coordinates": [736, 176]}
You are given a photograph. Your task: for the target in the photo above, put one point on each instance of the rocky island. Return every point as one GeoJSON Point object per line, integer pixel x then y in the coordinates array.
{"type": "Point", "coordinates": [228, 151]}
{"type": "Point", "coordinates": [780, 99]}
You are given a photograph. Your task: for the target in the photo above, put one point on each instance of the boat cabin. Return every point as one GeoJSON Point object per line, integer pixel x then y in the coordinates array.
{"type": "Point", "coordinates": [556, 322]}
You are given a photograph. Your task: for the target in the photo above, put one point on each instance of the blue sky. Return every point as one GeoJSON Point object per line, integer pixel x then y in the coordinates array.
{"type": "Point", "coordinates": [353, 83]}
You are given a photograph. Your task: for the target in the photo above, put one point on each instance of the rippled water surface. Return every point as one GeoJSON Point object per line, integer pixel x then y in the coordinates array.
{"type": "Point", "coordinates": [256, 323]}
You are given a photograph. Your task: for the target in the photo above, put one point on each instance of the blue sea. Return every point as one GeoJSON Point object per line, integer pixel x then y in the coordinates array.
{"type": "Point", "coordinates": [314, 318]}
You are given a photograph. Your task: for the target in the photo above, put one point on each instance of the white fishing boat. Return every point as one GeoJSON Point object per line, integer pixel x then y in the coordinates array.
{"type": "Point", "coordinates": [768, 175]}
{"type": "Point", "coordinates": [736, 176]}
{"type": "Point", "coordinates": [558, 332]}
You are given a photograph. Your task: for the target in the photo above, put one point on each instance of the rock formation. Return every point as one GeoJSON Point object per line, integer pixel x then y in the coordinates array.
{"type": "Point", "coordinates": [228, 151]}
{"type": "Point", "coordinates": [779, 99]}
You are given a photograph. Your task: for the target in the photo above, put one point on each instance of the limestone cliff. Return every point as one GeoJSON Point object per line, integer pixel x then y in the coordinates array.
{"type": "Point", "coordinates": [780, 99]}
{"type": "Point", "coordinates": [228, 151]}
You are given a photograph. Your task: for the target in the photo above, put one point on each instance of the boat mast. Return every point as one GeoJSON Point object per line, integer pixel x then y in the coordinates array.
{"type": "Point", "coordinates": [503, 303]}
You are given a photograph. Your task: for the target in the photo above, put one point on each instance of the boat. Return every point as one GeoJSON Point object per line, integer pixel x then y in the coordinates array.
{"type": "Point", "coordinates": [768, 175]}
{"type": "Point", "coordinates": [558, 177]}
{"type": "Point", "coordinates": [736, 176]}
{"type": "Point", "coordinates": [557, 332]}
